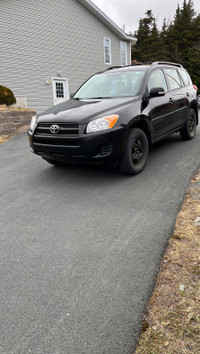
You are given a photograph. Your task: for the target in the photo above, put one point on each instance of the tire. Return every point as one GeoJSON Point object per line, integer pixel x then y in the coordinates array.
{"type": "Point", "coordinates": [188, 131]}
{"type": "Point", "coordinates": [54, 162]}
{"type": "Point", "coordinates": [136, 152]}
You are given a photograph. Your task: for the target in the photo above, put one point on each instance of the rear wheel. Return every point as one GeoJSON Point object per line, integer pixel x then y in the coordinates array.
{"type": "Point", "coordinates": [188, 132]}
{"type": "Point", "coordinates": [136, 152]}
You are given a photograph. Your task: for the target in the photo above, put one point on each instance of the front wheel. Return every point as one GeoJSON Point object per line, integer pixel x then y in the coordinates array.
{"type": "Point", "coordinates": [188, 131]}
{"type": "Point", "coordinates": [136, 152]}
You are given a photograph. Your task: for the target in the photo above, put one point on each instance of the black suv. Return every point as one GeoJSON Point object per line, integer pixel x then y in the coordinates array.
{"type": "Point", "coordinates": [116, 115]}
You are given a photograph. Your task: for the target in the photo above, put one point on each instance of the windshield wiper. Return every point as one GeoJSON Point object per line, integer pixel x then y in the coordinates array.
{"type": "Point", "coordinates": [97, 98]}
{"type": "Point", "coordinates": [89, 98]}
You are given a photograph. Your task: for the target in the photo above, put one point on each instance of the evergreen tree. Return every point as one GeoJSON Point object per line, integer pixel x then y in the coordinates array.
{"type": "Point", "coordinates": [154, 44]}
{"type": "Point", "coordinates": [177, 42]}
{"type": "Point", "coordinates": [145, 38]}
{"type": "Point", "coordinates": [163, 37]}
{"type": "Point", "coordinates": [180, 34]}
{"type": "Point", "coordinates": [193, 60]}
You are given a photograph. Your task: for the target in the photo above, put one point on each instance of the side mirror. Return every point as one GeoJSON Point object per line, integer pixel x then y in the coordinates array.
{"type": "Point", "coordinates": [156, 92]}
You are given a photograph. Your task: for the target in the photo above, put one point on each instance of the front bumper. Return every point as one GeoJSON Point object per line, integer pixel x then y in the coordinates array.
{"type": "Point", "coordinates": [101, 146]}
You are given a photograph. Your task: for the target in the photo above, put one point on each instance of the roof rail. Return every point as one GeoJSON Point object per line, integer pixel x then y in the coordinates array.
{"type": "Point", "coordinates": [114, 67]}
{"type": "Point", "coordinates": [166, 63]}
{"type": "Point", "coordinates": [127, 66]}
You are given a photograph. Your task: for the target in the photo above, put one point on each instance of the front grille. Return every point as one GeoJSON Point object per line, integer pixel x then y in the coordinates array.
{"type": "Point", "coordinates": [65, 128]}
{"type": "Point", "coordinates": [68, 134]}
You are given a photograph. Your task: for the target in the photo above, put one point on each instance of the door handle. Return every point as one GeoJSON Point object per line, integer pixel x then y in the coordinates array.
{"type": "Point", "coordinates": [171, 100]}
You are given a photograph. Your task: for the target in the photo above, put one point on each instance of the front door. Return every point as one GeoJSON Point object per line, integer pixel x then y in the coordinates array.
{"type": "Point", "coordinates": [161, 109]}
{"type": "Point", "coordinates": [60, 90]}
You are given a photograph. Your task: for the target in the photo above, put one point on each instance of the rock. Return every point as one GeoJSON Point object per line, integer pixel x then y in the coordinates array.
{"type": "Point", "coordinates": [197, 221]}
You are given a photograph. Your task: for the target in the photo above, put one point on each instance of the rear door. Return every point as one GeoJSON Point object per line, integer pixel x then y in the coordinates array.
{"type": "Point", "coordinates": [180, 96]}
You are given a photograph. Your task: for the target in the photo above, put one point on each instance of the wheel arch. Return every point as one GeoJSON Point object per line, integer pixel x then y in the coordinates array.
{"type": "Point", "coordinates": [195, 107]}
{"type": "Point", "coordinates": [142, 124]}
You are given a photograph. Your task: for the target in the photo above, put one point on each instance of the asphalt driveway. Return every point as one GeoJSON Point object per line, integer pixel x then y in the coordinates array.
{"type": "Point", "coordinates": [81, 247]}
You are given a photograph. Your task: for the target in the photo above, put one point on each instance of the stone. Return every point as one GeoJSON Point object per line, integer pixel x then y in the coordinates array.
{"type": "Point", "coordinates": [197, 221]}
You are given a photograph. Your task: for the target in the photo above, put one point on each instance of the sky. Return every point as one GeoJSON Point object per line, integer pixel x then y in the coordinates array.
{"type": "Point", "coordinates": [128, 12]}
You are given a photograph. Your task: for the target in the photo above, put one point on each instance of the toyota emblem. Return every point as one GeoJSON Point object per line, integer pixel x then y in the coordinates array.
{"type": "Point", "coordinates": [54, 129]}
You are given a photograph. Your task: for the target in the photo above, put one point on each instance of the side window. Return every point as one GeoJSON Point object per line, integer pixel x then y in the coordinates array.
{"type": "Point", "coordinates": [123, 53]}
{"type": "Point", "coordinates": [107, 50]}
{"type": "Point", "coordinates": [173, 78]}
{"type": "Point", "coordinates": [157, 79]}
{"type": "Point", "coordinates": [185, 77]}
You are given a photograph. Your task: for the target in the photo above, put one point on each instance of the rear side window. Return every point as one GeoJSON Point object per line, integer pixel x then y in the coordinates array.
{"type": "Point", "coordinates": [173, 79]}
{"type": "Point", "coordinates": [185, 77]}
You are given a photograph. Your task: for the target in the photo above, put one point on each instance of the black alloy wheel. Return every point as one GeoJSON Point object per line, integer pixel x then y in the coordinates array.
{"type": "Point", "coordinates": [136, 152]}
{"type": "Point", "coordinates": [188, 131]}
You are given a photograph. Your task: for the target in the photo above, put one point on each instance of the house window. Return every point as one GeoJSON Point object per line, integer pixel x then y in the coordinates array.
{"type": "Point", "coordinates": [59, 89]}
{"type": "Point", "coordinates": [123, 53]}
{"type": "Point", "coordinates": [107, 51]}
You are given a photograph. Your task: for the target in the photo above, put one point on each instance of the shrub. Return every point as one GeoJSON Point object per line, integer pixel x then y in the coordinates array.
{"type": "Point", "coordinates": [6, 96]}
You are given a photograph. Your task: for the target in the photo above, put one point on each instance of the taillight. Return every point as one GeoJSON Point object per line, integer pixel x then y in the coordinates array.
{"type": "Point", "coordinates": [195, 87]}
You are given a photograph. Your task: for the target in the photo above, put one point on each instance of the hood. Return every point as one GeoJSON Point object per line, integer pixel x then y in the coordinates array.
{"type": "Point", "coordinates": [82, 111]}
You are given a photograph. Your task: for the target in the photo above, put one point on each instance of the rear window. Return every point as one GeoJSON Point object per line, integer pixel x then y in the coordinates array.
{"type": "Point", "coordinates": [185, 77]}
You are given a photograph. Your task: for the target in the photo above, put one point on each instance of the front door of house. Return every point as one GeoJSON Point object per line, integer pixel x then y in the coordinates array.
{"type": "Point", "coordinates": [60, 90]}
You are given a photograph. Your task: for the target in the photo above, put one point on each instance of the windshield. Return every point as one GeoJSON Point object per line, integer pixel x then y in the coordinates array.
{"type": "Point", "coordinates": [112, 84]}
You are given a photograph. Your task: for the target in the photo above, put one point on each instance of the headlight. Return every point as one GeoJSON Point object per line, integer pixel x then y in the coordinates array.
{"type": "Point", "coordinates": [33, 123]}
{"type": "Point", "coordinates": [103, 123]}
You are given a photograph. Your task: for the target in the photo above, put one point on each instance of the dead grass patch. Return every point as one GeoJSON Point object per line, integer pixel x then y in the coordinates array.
{"type": "Point", "coordinates": [4, 138]}
{"type": "Point", "coordinates": [3, 107]}
{"type": "Point", "coordinates": [172, 320]}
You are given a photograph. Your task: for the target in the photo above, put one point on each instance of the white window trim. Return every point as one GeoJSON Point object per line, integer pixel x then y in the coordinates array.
{"type": "Point", "coordinates": [65, 80]}
{"type": "Point", "coordinates": [126, 59]}
{"type": "Point", "coordinates": [130, 53]}
{"type": "Point", "coordinates": [108, 39]}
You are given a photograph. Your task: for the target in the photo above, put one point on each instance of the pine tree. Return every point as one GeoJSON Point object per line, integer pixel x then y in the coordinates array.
{"type": "Point", "coordinates": [163, 37]}
{"type": "Point", "coordinates": [193, 60]}
{"type": "Point", "coordinates": [155, 52]}
{"type": "Point", "coordinates": [180, 33]}
{"type": "Point", "coordinates": [183, 39]}
{"type": "Point", "coordinates": [177, 42]}
{"type": "Point", "coordinates": [141, 51]}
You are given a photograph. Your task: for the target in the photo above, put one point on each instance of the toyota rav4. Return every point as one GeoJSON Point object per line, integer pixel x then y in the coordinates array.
{"type": "Point", "coordinates": [116, 115]}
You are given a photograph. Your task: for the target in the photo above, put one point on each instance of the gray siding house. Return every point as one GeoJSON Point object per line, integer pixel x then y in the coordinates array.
{"type": "Point", "coordinates": [49, 48]}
